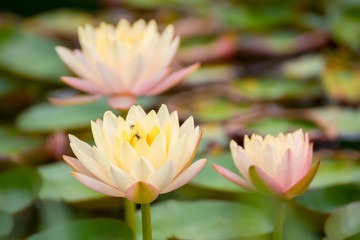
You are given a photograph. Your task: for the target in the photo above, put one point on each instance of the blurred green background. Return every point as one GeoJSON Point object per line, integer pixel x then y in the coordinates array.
{"type": "Point", "coordinates": [267, 67]}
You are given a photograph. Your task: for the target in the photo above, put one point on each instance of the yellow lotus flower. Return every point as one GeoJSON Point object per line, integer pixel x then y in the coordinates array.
{"type": "Point", "coordinates": [122, 62]}
{"type": "Point", "coordinates": [279, 166]}
{"type": "Point", "coordinates": [137, 158]}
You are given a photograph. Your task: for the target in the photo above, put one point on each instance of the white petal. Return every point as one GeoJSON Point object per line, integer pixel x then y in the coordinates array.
{"type": "Point", "coordinates": [163, 176]}
{"type": "Point", "coordinates": [127, 156]}
{"type": "Point", "coordinates": [187, 127]}
{"type": "Point", "coordinates": [157, 151]}
{"type": "Point", "coordinates": [142, 169]}
{"type": "Point", "coordinates": [121, 179]}
{"type": "Point", "coordinates": [185, 176]}
{"type": "Point", "coordinates": [110, 124]}
{"type": "Point", "coordinates": [134, 115]}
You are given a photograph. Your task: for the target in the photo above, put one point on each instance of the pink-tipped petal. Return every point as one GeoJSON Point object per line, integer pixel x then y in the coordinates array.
{"type": "Point", "coordinates": [83, 85]}
{"type": "Point", "coordinates": [121, 102]}
{"type": "Point", "coordinates": [79, 99]}
{"type": "Point", "coordinates": [78, 167]}
{"type": "Point", "coordinates": [97, 185]}
{"type": "Point", "coordinates": [142, 192]}
{"type": "Point", "coordinates": [144, 86]}
{"type": "Point", "coordinates": [301, 186]}
{"type": "Point", "coordinates": [263, 182]}
{"type": "Point", "coordinates": [229, 175]}
{"type": "Point", "coordinates": [173, 79]}
{"type": "Point", "coordinates": [185, 176]}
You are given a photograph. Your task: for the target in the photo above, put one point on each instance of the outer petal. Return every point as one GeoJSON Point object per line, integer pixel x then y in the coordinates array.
{"type": "Point", "coordinates": [80, 99]}
{"type": "Point", "coordinates": [185, 176]}
{"type": "Point", "coordinates": [142, 192]}
{"type": "Point", "coordinates": [263, 182]}
{"type": "Point", "coordinates": [83, 85]}
{"type": "Point", "coordinates": [122, 179]}
{"type": "Point", "coordinates": [163, 176]}
{"type": "Point", "coordinates": [301, 186]}
{"type": "Point", "coordinates": [97, 185]}
{"type": "Point", "coordinates": [229, 175]}
{"type": "Point", "coordinates": [173, 79]}
{"type": "Point", "coordinates": [78, 167]}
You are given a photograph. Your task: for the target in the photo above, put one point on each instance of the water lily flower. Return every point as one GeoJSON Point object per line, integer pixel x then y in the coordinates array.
{"type": "Point", "coordinates": [279, 166]}
{"type": "Point", "coordinates": [137, 158]}
{"type": "Point", "coordinates": [122, 62]}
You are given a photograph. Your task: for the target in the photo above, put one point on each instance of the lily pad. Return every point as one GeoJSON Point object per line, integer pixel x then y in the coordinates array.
{"type": "Point", "coordinates": [344, 223]}
{"type": "Point", "coordinates": [335, 172]}
{"type": "Point", "coordinates": [13, 144]}
{"type": "Point", "coordinates": [270, 89]}
{"type": "Point", "coordinates": [59, 184]}
{"type": "Point", "coordinates": [19, 187]}
{"type": "Point", "coordinates": [210, 220]}
{"type": "Point", "coordinates": [276, 125]}
{"type": "Point", "coordinates": [90, 229]}
{"type": "Point", "coordinates": [209, 178]}
{"type": "Point", "coordinates": [345, 120]}
{"type": "Point", "coordinates": [6, 223]}
{"type": "Point", "coordinates": [328, 199]}
{"type": "Point", "coordinates": [46, 117]}
{"type": "Point", "coordinates": [38, 58]}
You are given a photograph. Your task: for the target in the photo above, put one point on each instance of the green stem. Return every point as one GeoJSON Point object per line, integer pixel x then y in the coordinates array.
{"type": "Point", "coordinates": [146, 221]}
{"type": "Point", "coordinates": [279, 220]}
{"type": "Point", "coordinates": [130, 215]}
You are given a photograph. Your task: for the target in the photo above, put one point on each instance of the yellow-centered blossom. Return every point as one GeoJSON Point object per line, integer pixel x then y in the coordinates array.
{"type": "Point", "coordinates": [137, 158]}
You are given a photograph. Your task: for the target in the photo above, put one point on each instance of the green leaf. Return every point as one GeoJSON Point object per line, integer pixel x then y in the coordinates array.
{"type": "Point", "coordinates": [59, 184]}
{"type": "Point", "coordinates": [328, 199]}
{"type": "Point", "coordinates": [12, 143]}
{"type": "Point", "coordinates": [90, 229]}
{"type": "Point", "coordinates": [38, 58]}
{"type": "Point", "coordinates": [19, 188]}
{"type": "Point", "coordinates": [335, 171]}
{"type": "Point", "coordinates": [210, 220]}
{"type": "Point", "coordinates": [345, 120]}
{"type": "Point", "coordinates": [6, 223]}
{"type": "Point", "coordinates": [344, 223]}
{"type": "Point", "coordinates": [46, 117]}
{"type": "Point", "coordinates": [210, 179]}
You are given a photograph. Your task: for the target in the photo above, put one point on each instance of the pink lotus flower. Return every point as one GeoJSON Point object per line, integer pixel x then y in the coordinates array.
{"type": "Point", "coordinates": [279, 166]}
{"type": "Point", "coordinates": [122, 62]}
{"type": "Point", "coordinates": [137, 158]}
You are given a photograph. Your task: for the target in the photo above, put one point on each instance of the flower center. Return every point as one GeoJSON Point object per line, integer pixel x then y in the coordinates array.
{"type": "Point", "coordinates": [138, 132]}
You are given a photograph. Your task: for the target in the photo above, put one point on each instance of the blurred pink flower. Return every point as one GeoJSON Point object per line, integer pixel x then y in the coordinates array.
{"type": "Point", "coordinates": [279, 166]}
{"type": "Point", "coordinates": [122, 62]}
{"type": "Point", "coordinates": [137, 158]}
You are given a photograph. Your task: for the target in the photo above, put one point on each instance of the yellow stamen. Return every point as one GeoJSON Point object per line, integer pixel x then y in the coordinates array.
{"type": "Point", "coordinates": [150, 137]}
{"type": "Point", "coordinates": [137, 132]}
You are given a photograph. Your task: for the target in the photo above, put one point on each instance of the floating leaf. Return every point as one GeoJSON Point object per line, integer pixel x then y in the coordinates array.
{"type": "Point", "coordinates": [6, 223]}
{"type": "Point", "coordinates": [19, 187]}
{"type": "Point", "coordinates": [38, 58]}
{"type": "Point", "coordinates": [46, 117]}
{"type": "Point", "coordinates": [276, 125]}
{"type": "Point", "coordinates": [270, 89]}
{"type": "Point", "coordinates": [12, 144]}
{"type": "Point", "coordinates": [345, 120]}
{"type": "Point", "coordinates": [59, 184]}
{"type": "Point", "coordinates": [308, 66]}
{"type": "Point", "coordinates": [344, 223]}
{"type": "Point", "coordinates": [90, 229]}
{"type": "Point", "coordinates": [208, 178]}
{"type": "Point", "coordinates": [335, 172]}
{"type": "Point", "coordinates": [328, 199]}
{"type": "Point", "coordinates": [210, 220]}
